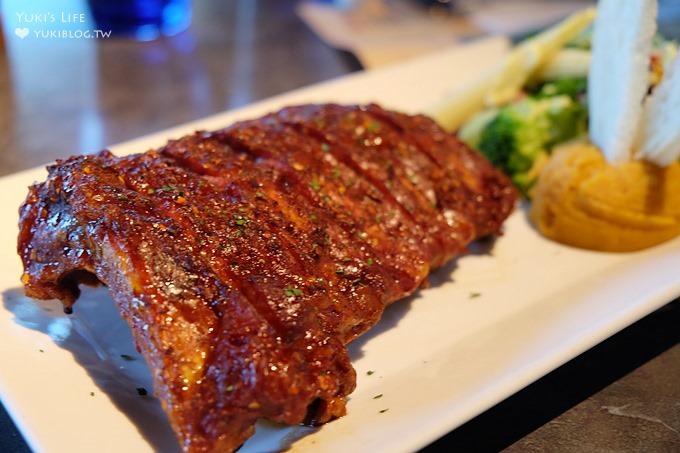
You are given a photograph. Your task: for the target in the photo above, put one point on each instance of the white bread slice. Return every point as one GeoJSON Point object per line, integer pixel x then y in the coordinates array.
{"type": "Point", "coordinates": [660, 126]}
{"type": "Point", "coordinates": [619, 74]}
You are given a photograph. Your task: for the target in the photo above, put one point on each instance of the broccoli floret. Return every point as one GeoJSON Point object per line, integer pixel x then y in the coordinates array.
{"type": "Point", "coordinates": [575, 88]}
{"type": "Point", "coordinates": [523, 133]}
{"type": "Point", "coordinates": [471, 131]}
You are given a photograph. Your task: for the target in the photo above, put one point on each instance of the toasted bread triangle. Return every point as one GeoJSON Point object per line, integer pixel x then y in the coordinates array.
{"type": "Point", "coordinates": [619, 74]}
{"type": "Point", "coordinates": [659, 140]}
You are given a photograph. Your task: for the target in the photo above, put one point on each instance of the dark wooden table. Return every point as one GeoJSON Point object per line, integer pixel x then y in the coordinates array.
{"type": "Point", "coordinates": [66, 98]}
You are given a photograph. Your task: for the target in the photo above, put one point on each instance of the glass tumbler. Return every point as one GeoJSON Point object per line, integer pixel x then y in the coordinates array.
{"type": "Point", "coordinates": [143, 20]}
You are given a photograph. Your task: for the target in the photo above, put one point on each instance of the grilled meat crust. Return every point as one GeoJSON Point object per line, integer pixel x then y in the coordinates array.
{"type": "Point", "coordinates": [245, 259]}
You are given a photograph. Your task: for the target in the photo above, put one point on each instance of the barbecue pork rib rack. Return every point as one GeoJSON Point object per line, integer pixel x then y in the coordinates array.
{"type": "Point", "coordinates": [245, 259]}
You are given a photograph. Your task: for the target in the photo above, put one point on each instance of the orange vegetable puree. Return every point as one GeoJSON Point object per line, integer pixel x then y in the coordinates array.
{"type": "Point", "coordinates": [583, 201]}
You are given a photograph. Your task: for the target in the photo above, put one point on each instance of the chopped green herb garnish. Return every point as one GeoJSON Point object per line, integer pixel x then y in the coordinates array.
{"type": "Point", "coordinates": [370, 372]}
{"type": "Point", "coordinates": [373, 126]}
{"type": "Point", "coordinates": [122, 197]}
{"type": "Point", "coordinates": [315, 185]}
{"type": "Point", "coordinates": [127, 357]}
{"type": "Point", "coordinates": [336, 173]}
{"type": "Point", "coordinates": [474, 295]}
{"type": "Point", "coordinates": [382, 411]}
{"type": "Point", "coordinates": [241, 221]}
{"type": "Point", "coordinates": [167, 188]}
{"type": "Point", "coordinates": [325, 147]}
{"type": "Point", "coordinates": [315, 248]}
{"type": "Point", "coordinates": [378, 396]}
{"type": "Point", "coordinates": [141, 391]}
{"type": "Point", "coordinates": [292, 292]}
{"type": "Point", "coordinates": [369, 262]}
{"type": "Point", "coordinates": [91, 393]}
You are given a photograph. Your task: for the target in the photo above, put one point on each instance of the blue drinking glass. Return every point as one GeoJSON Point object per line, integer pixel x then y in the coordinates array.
{"type": "Point", "coordinates": [144, 20]}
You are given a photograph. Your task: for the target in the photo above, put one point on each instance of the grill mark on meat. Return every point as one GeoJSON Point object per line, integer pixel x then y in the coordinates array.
{"type": "Point", "coordinates": [300, 129]}
{"type": "Point", "coordinates": [376, 275]}
{"type": "Point", "coordinates": [133, 178]}
{"type": "Point", "coordinates": [311, 345]}
{"type": "Point", "coordinates": [460, 189]}
{"type": "Point", "coordinates": [343, 155]}
{"type": "Point", "coordinates": [187, 240]}
{"type": "Point", "coordinates": [244, 283]}
{"type": "Point", "coordinates": [394, 121]}
{"type": "Point", "coordinates": [456, 189]}
{"type": "Point", "coordinates": [168, 208]}
{"type": "Point", "coordinates": [329, 198]}
{"type": "Point", "coordinates": [222, 252]}
{"type": "Point", "coordinates": [442, 175]}
{"type": "Point", "coordinates": [252, 137]}
{"type": "Point", "coordinates": [378, 158]}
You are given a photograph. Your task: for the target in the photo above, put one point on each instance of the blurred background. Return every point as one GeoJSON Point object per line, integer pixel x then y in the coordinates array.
{"type": "Point", "coordinates": [77, 76]}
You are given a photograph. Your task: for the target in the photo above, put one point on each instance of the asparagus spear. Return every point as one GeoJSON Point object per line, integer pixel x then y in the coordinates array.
{"type": "Point", "coordinates": [504, 82]}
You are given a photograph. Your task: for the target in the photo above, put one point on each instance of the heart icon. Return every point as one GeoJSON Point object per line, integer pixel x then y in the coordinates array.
{"type": "Point", "coordinates": [21, 32]}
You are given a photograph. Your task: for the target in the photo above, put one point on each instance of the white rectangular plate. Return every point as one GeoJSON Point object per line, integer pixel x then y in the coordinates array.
{"type": "Point", "coordinates": [493, 321]}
